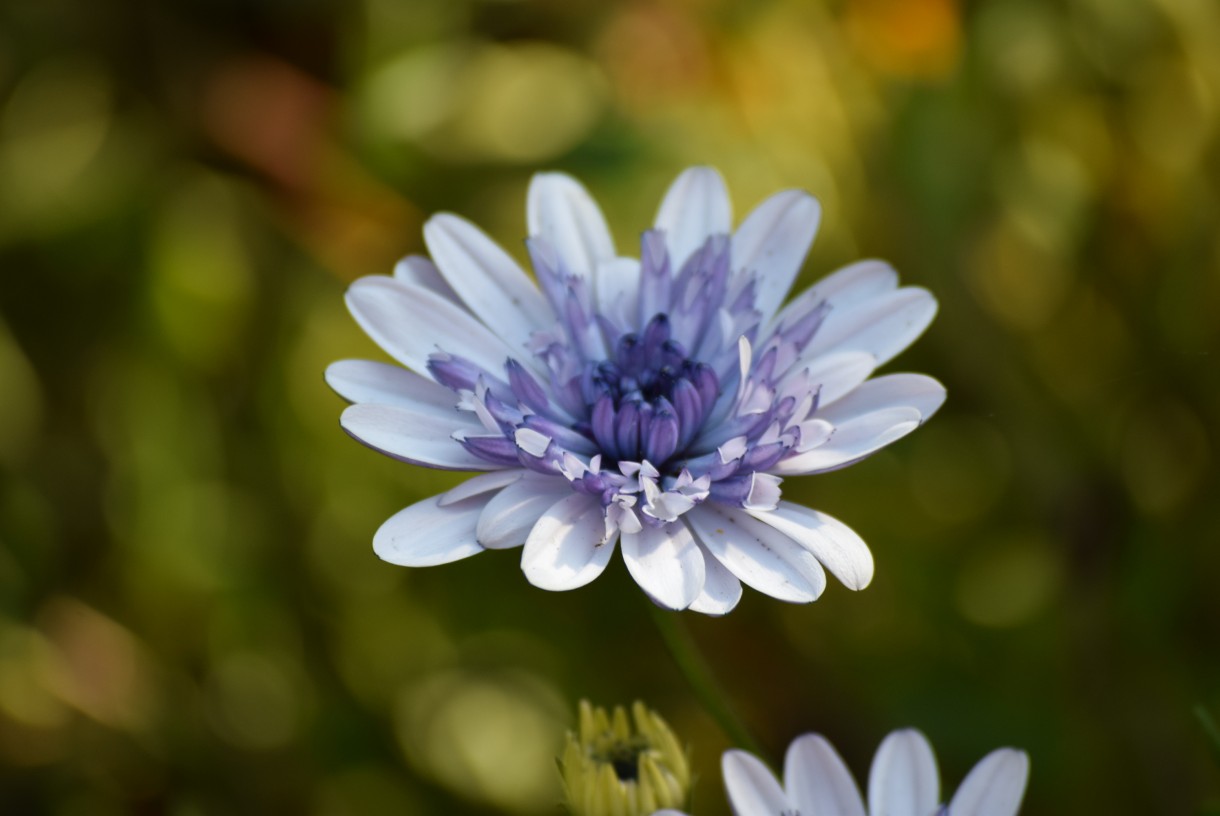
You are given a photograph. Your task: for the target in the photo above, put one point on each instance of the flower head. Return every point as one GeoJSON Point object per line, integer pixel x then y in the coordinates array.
{"type": "Point", "coordinates": [623, 766]}
{"type": "Point", "coordinates": [656, 404]}
{"type": "Point", "coordinates": [903, 782]}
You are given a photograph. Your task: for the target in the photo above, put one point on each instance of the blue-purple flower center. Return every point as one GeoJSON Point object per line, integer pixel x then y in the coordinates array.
{"type": "Point", "coordinates": [635, 400]}
{"type": "Point", "coordinates": [649, 400]}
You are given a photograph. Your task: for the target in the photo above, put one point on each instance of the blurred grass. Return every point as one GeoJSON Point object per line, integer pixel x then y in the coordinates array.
{"type": "Point", "coordinates": [191, 617]}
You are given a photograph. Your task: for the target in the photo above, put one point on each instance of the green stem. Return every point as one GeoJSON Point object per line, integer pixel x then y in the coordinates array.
{"type": "Point", "coordinates": [1210, 729]}
{"type": "Point", "coordinates": [698, 673]}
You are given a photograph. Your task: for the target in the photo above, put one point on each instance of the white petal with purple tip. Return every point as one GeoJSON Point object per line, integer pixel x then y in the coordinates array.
{"type": "Point", "coordinates": [818, 781]}
{"type": "Point", "coordinates": [695, 206]}
{"type": "Point", "coordinates": [835, 545]}
{"type": "Point", "coordinates": [903, 780]}
{"type": "Point", "coordinates": [567, 548]}
{"type": "Point", "coordinates": [994, 787]}
{"type": "Point", "coordinates": [487, 279]}
{"type": "Point", "coordinates": [421, 439]}
{"type": "Point", "coordinates": [560, 209]}
{"type": "Point", "coordinates": [426, 533]}
{"type": "Point", "coordinates": [666, 562]}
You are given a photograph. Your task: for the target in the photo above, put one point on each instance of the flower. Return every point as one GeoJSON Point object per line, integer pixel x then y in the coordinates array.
{"type": "Point", "coordinates": [610, 768]}
{"type": "Point", "coordinates": [903, 782]}
{"type": "Point", "coordinates": [656, 404]}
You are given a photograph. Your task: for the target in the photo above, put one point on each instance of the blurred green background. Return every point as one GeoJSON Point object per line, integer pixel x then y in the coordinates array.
{"type": "Point", "coordinates": [192, 620]}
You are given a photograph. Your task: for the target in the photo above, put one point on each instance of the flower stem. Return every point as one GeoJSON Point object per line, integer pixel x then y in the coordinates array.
{"type": "Point", "coordinates": [1211, 731]}
{"type": "Point", "coordinates": [711, 695]}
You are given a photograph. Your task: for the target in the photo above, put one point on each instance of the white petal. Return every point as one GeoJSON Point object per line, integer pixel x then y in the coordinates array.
{"type": "Point", "coordinates": [994, 787]}
{"type": "Point", "coordinates": [844, 288]}
{"type": "Point", "coordinates": [721, 589]}
{"type": "Point", "coordinates": [814, 432]}
{"type": "Point", "coordinates": [764, 492]}
{"type": "Point", "coordinates": [773, 241]}
{"type": "Point", "coordinates": [839, 373]}
{"type": "Point", "coordinates": [511, 514]}
{"type": "Point", "coordinates": [759, 555]}
{"type": "Point", "coordinates": [617, 287]}
{"type": "Point", "coordinates": [561, 210]}
{"type": "Point", "coordinates": [695, 206]}
{"type": "Point", "coordinates": [818, 781]}
{"type": "Point", "coordinates": [883, 325]}
{"type": "Point", "coordinates": [386, 384]}
{"type": "Point", "coordinates": [752, 789]}
{"type": "Point", "coordinates": [667, 563]}
{"type": "Point", "coordinates": [567, 547]}
{"type": "Point", "coordinates": [411, 322]}
{"type": "Point", "coordinates": [903, 779]}
{"type": "Point", "coordinates": [420, 271]}
{"type": "Point", "coordinates": [852, 441]}
{"type": "Point", "coordinates": [487, 279]}
{"type": "Point", "coordinates": [483, 483]}
{"type": "Point", "coordinates": [917, 391]}
{"type": "Point", "coordinates": [421, 439]}
{"type": "Point", "coordinates": [831, 541]}
{"type": "Point", "coordinates": [856, 282]}
{"type": "Point", "coordinates": [426, 534]}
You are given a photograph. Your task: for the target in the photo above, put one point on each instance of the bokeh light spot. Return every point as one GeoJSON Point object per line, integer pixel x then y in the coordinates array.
{"type": "Point", "coordinates": [52, 128]}
{"type": "Point", "coordinates": [253, 702]}
{"type": "Point", "coordinates": [1005, 582]}
{"type": "Point", "coordinates": [201, 272]}
{"type": "Point", "coordinates": [107, 672]}
{"type": "Point", "coordinates": [524, 102]}
{"type": "Point", "coordinates": [492, 739]}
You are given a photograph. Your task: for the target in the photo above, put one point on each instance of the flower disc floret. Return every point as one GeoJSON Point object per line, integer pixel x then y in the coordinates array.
{"type": "Point", "coordinates": [654, 404]}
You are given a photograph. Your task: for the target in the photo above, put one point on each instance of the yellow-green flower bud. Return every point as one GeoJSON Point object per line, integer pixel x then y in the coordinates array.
{"type": "Point", "coordinates": [615, 765]}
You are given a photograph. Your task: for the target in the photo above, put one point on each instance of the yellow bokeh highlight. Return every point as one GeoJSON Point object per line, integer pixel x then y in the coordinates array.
{"type": "Point", "coordinates": [519, 102]}
{"type": "Point", "coordinates": [201, 287]}
{"type": "Point", "coordinates": [491, 738]}
{"type": "Point", "coordinates": [1008, 580]}
{"type": "Point", "coordinates": [51, 129]}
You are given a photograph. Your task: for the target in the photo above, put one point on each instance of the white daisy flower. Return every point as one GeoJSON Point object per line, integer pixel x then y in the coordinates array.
{"type": "Point", "coordinates": [903, 782]}
{"type": "Point", "coordinates": [653, 404]}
